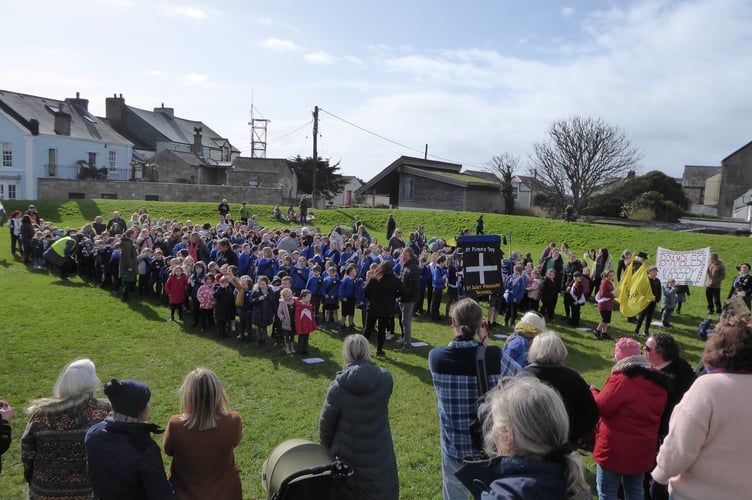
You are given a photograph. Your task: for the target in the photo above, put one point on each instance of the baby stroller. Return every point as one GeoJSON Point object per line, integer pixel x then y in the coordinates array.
{"type": "Point", "coordinates": [298, 469]}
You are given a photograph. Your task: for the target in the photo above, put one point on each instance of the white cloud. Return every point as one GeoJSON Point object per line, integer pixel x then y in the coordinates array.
{"type": "Point", "coordinates": [567, 12]}
{"type": "Point", "coordinates": [278, 45]}
{"type": "Point", "coordinates": [320, 57]}
{"type": "Point", "coordinates": [197, 77]}
{"type": "Point", "coordinates": [191, 11]}
{"type": "Point", "coordinates": [671, 75]}
{"type": "Point", "coordinates": [353, 60]}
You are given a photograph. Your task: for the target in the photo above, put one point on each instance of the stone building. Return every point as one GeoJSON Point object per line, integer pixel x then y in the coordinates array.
{"type": "Point", "coordinates": [426, 184]}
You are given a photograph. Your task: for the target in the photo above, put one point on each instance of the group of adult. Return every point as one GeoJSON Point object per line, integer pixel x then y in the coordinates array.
{"type": "Point", "coordinates": [80, 447]}
{"type": "Point", "coordinates": [77, 446]}
{"type": "Point", "coordinates": [653, 429]}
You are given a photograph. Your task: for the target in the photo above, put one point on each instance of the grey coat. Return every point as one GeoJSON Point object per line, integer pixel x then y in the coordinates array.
{"type": "Point", "coordinates": [354, 426]}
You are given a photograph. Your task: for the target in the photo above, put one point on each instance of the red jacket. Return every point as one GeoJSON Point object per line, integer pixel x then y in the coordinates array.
{"type": "Point", "coordinates": [630, 405]}
{"type": "Point", "coordinates": [176, 288]}
{"type": "Point", "coordinates": [305, 321]}
{"type": "Point", "coordinates": [606, 291]}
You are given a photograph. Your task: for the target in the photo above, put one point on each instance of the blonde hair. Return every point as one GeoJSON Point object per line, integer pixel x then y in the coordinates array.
{"type": "Point", "coordinates": [202, 399]}
{"type": "Point", "coordinates": [355, 348]}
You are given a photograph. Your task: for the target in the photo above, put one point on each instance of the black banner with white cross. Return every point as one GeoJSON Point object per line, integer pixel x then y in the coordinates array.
{"type": "Point", "coordinates": [481, 264]}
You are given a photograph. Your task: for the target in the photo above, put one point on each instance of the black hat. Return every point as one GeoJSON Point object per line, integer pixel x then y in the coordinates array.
{"type": "Point", "coordinates": [127, 397]}
{"type": "Point", "coordinates": [739, 267]}
{"type": "Point", "coordinates": [642, 255]}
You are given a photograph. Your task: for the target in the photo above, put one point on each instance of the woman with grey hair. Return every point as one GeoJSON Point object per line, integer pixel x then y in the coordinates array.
{"type": "Point", "coordinates": [546, 357]}
{"type": "Point", "coordinates": [52, 446]}
{"type": "Point", "coordinates": [354, 424]}
{"type": "Point", "coordinates": [528, 440]}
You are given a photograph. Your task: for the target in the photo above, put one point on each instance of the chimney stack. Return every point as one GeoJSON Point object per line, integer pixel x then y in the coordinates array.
{"type": "Point", "coordinates": [77, 101]}
{"type": "Point", "coordinates": [197, 147]}
{"type": "Point", "coordinates": [34, 126]}
{"type": "Point", "coordinates": [62, 121]}
{"type": "Point", "coordinates": [168, 112]}
{"type": "Point", "coordinates": [115, 111]}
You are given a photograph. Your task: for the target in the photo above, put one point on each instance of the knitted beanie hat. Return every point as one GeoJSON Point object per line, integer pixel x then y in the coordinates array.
{"type": "Point", "coordinates": [626, 347]}
{"type": "Point", "coordinates": [127, 397]}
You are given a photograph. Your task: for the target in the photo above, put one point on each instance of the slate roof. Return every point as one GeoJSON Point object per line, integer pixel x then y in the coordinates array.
{"type": "Point", "coordinates": [24, 107]}
{"type": "Point", "coordinates": [180, 130]}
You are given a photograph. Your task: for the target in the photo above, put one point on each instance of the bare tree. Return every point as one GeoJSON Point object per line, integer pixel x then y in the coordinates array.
{"type": "Point", "coordinates": [504, 166]}
{"type": "Point", "coordinates": [579, 156]}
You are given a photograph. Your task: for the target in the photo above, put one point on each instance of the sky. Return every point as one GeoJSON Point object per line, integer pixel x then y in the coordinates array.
{"type": "Point", "coordinates": [468, 80]}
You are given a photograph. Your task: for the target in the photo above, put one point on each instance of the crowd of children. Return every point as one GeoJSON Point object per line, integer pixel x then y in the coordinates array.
{"type": "Point", "coordinates": [249, 281]}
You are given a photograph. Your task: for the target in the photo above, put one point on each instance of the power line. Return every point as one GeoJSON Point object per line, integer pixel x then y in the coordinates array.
{"type": "Point", "coordinates": [395, 142]}
{"type": "Point", "coordinates": [287, 134]}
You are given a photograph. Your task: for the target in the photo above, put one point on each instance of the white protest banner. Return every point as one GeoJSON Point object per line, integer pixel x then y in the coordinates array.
{"type": "Point", "coordinates": [687, 267]}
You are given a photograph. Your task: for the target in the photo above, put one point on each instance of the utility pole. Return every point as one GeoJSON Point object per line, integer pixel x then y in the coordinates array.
{"type": "Point", "coordinates": [315, 154]}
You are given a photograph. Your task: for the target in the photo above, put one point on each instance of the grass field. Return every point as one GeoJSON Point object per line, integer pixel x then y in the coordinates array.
{"type": "Point", "coordinates": [49, 323]}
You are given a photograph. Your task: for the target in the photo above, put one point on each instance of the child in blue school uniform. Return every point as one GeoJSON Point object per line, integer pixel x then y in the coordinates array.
{"type": "Point", "coordinates": [300, 274]}
{"type": "Point", "coordinates": [347, 288]}
{"type": "Point", "coordinates": [315, 285]}
{"type": "Point", "coordinates": [331, 297]}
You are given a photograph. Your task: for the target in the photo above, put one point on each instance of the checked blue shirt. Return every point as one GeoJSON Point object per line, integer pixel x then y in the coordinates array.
{"type": "Point", "coordinates": [453, 373]}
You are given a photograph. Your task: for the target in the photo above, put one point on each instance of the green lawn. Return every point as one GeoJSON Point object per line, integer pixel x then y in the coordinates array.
{"type": "Point", "coordinates": [49, 323]}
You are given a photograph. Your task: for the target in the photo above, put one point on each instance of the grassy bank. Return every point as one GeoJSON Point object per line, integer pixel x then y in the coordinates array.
{"type": "Point", "coordinates": [49, 322]}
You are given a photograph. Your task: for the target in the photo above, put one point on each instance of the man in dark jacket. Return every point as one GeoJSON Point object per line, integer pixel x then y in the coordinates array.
{"type": "Point", "coordinates": [410, 277]}
{"type": "Point", "coordinates": [123, 460]}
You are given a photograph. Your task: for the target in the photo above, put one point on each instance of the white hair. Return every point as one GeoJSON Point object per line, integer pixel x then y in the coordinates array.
{"type": "Point", "coordinates": [547, 349]}
{"type": "Point", "coordinates": [77, 377]}
{"type": "Point", "coordinates": [535, 415]}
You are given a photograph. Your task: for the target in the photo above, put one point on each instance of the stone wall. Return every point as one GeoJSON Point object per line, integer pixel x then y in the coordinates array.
{"type": "Point", "coordinates": [63, 189]}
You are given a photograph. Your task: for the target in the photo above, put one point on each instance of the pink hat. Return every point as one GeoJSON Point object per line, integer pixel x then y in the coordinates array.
{"type": "Point", "coordinates": [626, 347]}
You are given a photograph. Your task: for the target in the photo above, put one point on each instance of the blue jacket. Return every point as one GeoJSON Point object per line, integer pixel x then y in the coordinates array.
{"type": "Point", "coordinates": [515, 285]}
{"type": "Point", "coordinates": [347, 288]}
{"type": "Point", "coordinates": [331, 290]}
{"type": "Point", "coordinates": [437, 277]}
{"type": "Point", "coordinates": [515, 478]}
{"type": "Point", "coordinates": [124, 462]}
{"type": "Point", "coordinates": [267, 267]}
{"type": "Point", "coordinates": [299, 277]}
{"type": "Point", "coordinates": [315, 285]}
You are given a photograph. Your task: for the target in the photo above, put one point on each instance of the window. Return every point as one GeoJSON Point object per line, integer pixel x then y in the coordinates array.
{"type": "Point", "coordinates": [76, 196]}
{"type": "Point", "coordinates": [515, 192]}
{"type": "Point", "coordinates": [151, 197]}
{"type": "Point", "coordinates": [225, 153]}
{"type": "Point", "coordinates": [92, 160]}
{"type": "Point", "coordinates": [253, 182]}
{"type": "Point", "coordinates": [113, 160]}
{"type": "Point", "coordinates": [52, 162]}
{"type": "Point", "coordinates": [9, 190]}
{"type": "Point", "coordinates": [407, 188]}
{"type": "Point", "coordinates": [7, 152]}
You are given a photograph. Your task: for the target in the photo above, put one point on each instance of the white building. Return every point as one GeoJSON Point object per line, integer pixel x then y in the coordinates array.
{"type": "Point", "coordinates": [48, 138]}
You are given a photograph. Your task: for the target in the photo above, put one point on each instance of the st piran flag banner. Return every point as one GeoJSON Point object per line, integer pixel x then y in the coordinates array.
{"type": "Point", "coordinates": [481, 264]}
